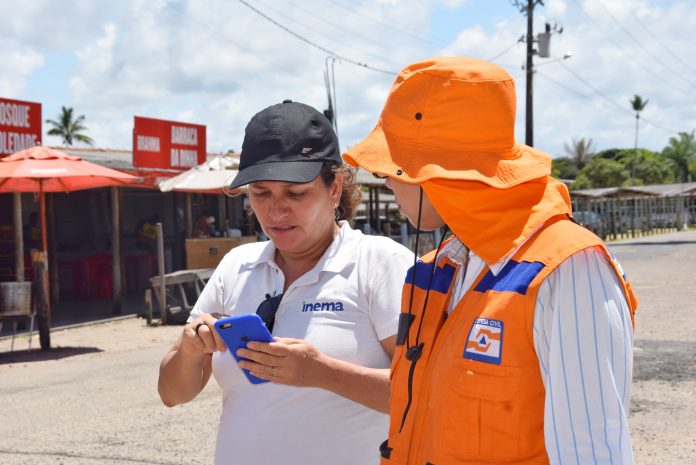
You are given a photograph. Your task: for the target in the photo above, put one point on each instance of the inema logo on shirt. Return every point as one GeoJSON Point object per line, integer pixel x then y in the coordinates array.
{"type": "Point", "coordinates": [322, 306]}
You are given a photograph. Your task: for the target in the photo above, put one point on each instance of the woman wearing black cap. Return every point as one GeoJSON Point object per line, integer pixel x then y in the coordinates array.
{"type": "Point", "coordinates": [330, 295]}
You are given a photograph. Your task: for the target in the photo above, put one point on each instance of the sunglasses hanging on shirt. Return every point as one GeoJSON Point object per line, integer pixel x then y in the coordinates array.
{"type": "Point", "coordinates": [267, 310]}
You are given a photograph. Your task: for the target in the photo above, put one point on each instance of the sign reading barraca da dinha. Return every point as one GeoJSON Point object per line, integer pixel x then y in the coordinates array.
{"type": "Point", "coordinates": [20, 125]}
{"type": "Point", "coordinates": [167, 144]}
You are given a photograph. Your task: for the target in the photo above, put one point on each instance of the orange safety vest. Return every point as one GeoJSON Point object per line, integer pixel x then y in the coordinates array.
{"type": "Point", "coordinates": [468, 389]}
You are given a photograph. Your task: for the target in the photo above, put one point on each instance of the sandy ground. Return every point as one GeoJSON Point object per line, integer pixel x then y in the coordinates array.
{"type": "Point", "coordinates": [93, 399]}
{"type": "Point", "coordinates": [663, 411]}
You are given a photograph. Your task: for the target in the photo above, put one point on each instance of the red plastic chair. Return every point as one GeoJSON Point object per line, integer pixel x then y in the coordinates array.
{"type": "Point", "coordinates": [28, 269]}
{"type": "Point", "coordinates": [99, 276]}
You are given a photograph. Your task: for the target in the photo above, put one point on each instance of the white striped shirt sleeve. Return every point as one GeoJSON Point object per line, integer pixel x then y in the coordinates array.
{"type": "Point", "coordinates": [583, 338]}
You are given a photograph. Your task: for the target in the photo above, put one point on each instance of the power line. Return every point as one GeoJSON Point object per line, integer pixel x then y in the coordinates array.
{"type": "Point", "coordinates": [322, 20]}
{"type": "Point", "coordinates": [351, 9]}
{"type": "Point", "coordinates": [640, 44]}
{"type": "Point", "coordinates": [612, 102]}
{"type": "Point", "coordinates": [569, 89]}
{"type": "Point", "coordinates": [313, 44]}
{"type": "Point", "coordinates": [213, 32]}
{"type": "Point", "coordinates": [520, 40]}
{"type": "Point", "coordinates": [340, 27]}
{"type": "Point", "coordinates": [410, 33]}
{"type": "Point", "coordinates": [594, 89]}
{"type": "Point", "coordinates": [657, 39]}
{"type": "Point", "coordinates": [241, 47]}
{"type": "Point", "coordinates": [629, 55]}
{"type": "Point", "coordinates": [587, 97]}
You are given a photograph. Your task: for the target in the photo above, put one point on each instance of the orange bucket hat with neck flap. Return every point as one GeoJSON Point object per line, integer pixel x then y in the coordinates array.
{"type": "Point", "coordinates": [450, 118]}
{"type": "Point", "coordinates": [448, 125]}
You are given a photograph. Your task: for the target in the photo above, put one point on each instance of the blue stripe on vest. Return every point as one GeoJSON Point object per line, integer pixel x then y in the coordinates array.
{"type": "Point", "coordinates": [514, 277]}
{"type": "Point", "coordinates": [441, 279]}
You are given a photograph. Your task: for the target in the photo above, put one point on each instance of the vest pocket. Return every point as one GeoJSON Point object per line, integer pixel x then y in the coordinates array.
{"type": "Point", "coordinates": [481, 411]}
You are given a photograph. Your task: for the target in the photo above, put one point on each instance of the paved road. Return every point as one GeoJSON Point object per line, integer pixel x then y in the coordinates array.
{"type": "Point", "coordinates": [663, 412]}
{"type": "Point", "coordinates": [93, 401]}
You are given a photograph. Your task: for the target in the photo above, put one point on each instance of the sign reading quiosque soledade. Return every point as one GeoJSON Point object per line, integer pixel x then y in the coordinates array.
{"type": "Point", "coordinates": [167, 144]}
{"type": "Point", "coordinates": [20, 125]}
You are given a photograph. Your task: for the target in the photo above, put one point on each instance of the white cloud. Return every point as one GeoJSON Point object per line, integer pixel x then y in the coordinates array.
{"type": "Point", "coordinates": [48, 25]}
{"type": "Point", "coordinates": [217, 63]}
{"type": "Point", "coordinates": [18, 62]}
{"type": "Point", "coordinates": [454, 4]}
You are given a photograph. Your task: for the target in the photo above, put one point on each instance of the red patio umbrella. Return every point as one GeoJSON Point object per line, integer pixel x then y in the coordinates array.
{"type": "Point", "coordinates": [41, 169]}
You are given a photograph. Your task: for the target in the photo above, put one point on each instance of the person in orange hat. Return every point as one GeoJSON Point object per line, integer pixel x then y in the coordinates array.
{"type": "Point", "coordinates": [515, 338]}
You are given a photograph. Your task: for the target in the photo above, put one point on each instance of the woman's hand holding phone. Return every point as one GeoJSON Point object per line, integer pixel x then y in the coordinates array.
{"type": "Point", "coordinates": [294, 362]}
{"type": "Point", "coordinates": [264, 358]}
{"type": "Point", "coordinates": [199, 337]}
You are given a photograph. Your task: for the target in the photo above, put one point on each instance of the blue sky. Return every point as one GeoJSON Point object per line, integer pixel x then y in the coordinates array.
{"type": "Point", "coordinates": [217, 62]}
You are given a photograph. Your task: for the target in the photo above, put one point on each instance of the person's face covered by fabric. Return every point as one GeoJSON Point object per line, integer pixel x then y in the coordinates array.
{"type": "Point", "coordinates": [419, 211]}
{"type": "Point", "coordinates": [448, 128]}
{"type": "Point", "coordinates": [287, 160]}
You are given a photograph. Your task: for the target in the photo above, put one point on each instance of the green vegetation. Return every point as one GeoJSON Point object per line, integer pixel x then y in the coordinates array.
{"type": "Point", "coordinates": [681, 153]}
{"type": "Point", "coordinates": [616, 167]}
{"type": "Point", "coordinates": [69, 129]}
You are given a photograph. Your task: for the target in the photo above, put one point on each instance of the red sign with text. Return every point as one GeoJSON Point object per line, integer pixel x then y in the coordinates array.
{"type": "Point", "coordinates": [20, 125]}
{"type": "Point", "coordinates": [167, 144]}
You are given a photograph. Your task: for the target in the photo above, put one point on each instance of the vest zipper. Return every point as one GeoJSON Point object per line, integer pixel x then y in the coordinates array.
{"type": "Point", "coordinates": [440, 337]}
{"type": "Point", "coordinates": [412, 354]}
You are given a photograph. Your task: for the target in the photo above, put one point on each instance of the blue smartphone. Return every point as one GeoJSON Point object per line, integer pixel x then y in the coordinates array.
{"type": "Point", "coordinates": [237, 330]}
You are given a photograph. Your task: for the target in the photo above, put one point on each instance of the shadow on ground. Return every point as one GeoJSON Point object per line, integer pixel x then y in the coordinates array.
{"type": "Point", "coordinates": [664, 360]}
{"type": "Point", "coordinates": [38, 355]}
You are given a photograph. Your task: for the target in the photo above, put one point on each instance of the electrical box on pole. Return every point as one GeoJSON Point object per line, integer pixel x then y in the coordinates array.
{"type": "Point", "coordinates": [544, 42]}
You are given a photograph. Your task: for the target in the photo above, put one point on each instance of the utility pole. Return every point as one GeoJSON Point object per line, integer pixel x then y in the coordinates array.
{"type": "Point", "coordinates": [543, 39]}
{"type": "Point", "coordinates": [529, 68]}
{"type": "Point", "coordinates": [330, 81]}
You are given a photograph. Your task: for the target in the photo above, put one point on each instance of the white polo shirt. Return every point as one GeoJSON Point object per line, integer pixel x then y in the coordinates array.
{"type": "Point", "coordinates": [344, 306]}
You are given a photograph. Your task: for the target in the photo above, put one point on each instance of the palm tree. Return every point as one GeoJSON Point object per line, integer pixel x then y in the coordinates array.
{"type": "Point", "coordinates": [681, 152]}
{"type": "Point", "coordinates": [581, 151]}
{"type": "Point", "coordinates": [638, 104]}
{"type": "Point", "coordinates": [69, 129]}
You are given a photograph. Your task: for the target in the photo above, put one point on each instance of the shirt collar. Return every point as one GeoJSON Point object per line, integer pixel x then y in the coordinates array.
{"type": "Point", "coordinates": [339, 254]}
{"type": "Point", "coordinates": [342, 251]}
{"type": "Point", "coordinates": [266, 256]}
{"type": "Point", "coordinates": [456, 251]}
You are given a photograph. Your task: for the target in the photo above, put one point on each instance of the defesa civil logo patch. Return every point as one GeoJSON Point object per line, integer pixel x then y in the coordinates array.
{"type": "Point", "coordinates": [485, 341]}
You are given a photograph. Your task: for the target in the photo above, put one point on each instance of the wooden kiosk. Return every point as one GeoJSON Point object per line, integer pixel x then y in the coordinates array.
{"type": "Point", "coordinates": [207, 252]}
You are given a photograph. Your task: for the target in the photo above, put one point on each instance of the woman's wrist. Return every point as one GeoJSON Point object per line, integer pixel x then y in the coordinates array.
{"type": "Point", "coordinates": [191, 354]}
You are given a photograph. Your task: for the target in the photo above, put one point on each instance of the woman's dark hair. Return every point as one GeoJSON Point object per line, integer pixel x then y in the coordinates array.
{"type": "Point", "coordinates": [351, 195]}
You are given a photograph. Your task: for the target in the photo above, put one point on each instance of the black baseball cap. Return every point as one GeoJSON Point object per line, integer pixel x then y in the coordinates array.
{"type": "Point", "coordinates": [287, 142]}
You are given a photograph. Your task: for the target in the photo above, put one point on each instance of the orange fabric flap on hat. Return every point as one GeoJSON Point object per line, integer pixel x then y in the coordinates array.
{"type": "Point", "coordinates": [494, 222]}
